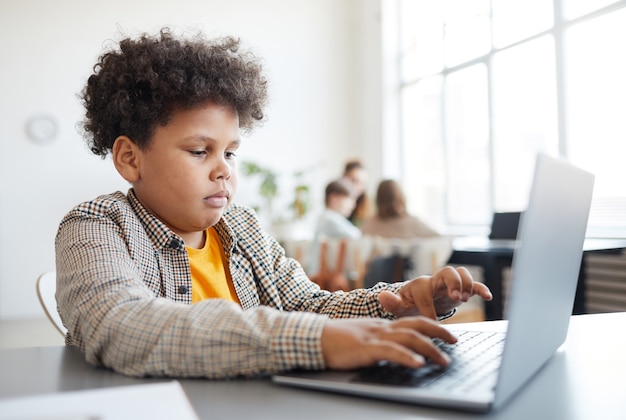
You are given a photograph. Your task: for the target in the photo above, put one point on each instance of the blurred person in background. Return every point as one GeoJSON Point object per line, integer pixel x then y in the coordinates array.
{"type": "Point", "coordinates": [392, 219]}
{"type": "Point", "coordinates": [355, 173]}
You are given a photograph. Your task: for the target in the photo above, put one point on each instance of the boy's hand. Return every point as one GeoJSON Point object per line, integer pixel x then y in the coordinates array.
{"type": "Point", "coordinates": [353, 343]}
{"type": "Point", "coordinates": [434, 295]}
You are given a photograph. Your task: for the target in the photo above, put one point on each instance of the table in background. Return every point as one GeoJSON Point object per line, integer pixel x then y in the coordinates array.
{"type": "Point", "coordinates": [496, 254]}
{"type": "Point", "coordinates": [582, 381]}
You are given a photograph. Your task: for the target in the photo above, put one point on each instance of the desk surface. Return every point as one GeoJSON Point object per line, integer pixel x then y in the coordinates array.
{"type": "Point", "coordinates": [583, 379]}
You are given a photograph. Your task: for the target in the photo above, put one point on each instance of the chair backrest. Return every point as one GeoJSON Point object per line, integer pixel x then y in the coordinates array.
{"type": "Point", "coordinates": [390, 269]}
{"type": "Point", "coordinates": [427, 254]}
{"type": "Point", "coordinates": [46, 288]}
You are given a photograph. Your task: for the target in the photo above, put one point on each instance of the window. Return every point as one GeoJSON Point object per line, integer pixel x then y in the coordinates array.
{"type": "Point", "coordinates": [486, 84]}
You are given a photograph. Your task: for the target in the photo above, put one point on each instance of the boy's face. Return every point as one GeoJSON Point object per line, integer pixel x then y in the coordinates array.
{"type": "Point", "coordinates": [342, 204]}
{"type": "Point", "coordinates": [188, 173]}
{"type": "Point", "coordinates": [358, 178]}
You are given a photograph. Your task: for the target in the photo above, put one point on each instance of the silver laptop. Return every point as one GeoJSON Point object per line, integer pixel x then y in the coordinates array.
{"type": "Point", "coordinates": [546, 264]}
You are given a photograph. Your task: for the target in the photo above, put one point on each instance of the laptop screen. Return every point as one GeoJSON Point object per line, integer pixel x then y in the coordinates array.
{"type": "Point", "coordinates": [504, 225]}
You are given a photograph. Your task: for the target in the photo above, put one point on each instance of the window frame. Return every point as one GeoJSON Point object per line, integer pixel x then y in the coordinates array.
{"type": "Point", "coordinates": [557, 31]}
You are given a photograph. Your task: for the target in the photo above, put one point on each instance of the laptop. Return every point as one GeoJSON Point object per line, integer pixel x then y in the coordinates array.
{"type": "Point", "coordinates": [504, 225]}
{"type": "Point", "coordinates": [545, 270]}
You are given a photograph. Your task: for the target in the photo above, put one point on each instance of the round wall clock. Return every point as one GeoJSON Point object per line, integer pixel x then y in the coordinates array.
{"type": "Point", "coordinates": [42, 128]}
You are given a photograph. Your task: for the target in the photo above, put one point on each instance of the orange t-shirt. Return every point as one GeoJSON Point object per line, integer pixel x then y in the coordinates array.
{"type": "Point", "coordinates": [210, 275]}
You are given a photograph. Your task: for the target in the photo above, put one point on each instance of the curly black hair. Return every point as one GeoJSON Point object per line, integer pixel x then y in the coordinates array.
{"type": "Point", "coordinates": [142, 83]}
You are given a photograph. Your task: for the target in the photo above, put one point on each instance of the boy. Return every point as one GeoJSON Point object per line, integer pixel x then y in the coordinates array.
{"type": "Point", "coordinates": [339, 201]}
{"type": "Point", "coordinates": [333, 223]}
{"type": "Point", "coordinates": [173, 279]}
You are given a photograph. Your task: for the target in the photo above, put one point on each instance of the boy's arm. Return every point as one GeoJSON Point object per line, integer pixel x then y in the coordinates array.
{"type": "Point", "coordinates": [118, 322]}
{"type": "Point", "coordinates": [301, 294]}
{"type": "Point", "coordinates": [287, 279]}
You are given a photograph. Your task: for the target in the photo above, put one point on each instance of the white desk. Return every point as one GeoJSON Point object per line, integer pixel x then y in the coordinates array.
{"type": "Point", "coordinates": [585, 380]}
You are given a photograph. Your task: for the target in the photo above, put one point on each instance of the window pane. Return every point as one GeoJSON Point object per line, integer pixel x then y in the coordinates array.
{"type": "Point", "coordinates": [514, 21]}
{"type": "Point", "coordinates": [467, 138]}
{"type": "Point", "coordinates": [422, 38]}
{"type": "Point", "coordinates": [524, 118]}
{"type": "Point", "coordinates": [576, 8]}
{"type": "Point", "coordinates": [467, 30]}
{"type": "Point", "coordinates": [596, 106]}
{"type": "Point", "coordinates": [424, 181]}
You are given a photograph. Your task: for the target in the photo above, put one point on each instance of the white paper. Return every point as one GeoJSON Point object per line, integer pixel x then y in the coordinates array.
{"type": "Point", "coordinates": [162, 400]}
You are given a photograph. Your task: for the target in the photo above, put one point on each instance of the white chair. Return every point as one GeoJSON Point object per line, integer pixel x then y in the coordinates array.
{"type": "Point", "coordinates": [46, 288]}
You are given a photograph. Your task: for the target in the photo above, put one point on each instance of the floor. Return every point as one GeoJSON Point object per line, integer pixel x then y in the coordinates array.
{"type": "Point", "coordinates": [37, 332]}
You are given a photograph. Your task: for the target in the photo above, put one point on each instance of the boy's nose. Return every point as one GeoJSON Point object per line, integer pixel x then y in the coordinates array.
{"type": "Point", "coordinates": [221, 170]}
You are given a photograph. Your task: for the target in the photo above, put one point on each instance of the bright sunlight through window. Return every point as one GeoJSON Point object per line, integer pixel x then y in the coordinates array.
{"type": "Point", "coordinates": [487, 84]}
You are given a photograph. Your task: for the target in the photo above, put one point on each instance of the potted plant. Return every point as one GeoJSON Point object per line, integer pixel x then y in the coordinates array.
{"type": "Point", "coordinates": [268, 188]}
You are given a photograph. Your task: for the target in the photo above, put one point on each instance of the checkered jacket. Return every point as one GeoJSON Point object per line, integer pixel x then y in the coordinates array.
{"type": "Point", "coordinates": [124, 294]}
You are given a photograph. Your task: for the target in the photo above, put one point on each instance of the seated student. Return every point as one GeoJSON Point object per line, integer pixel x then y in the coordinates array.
{"type": "Point", "coordinates": [173, 278]}
{"type": "Point", "coordinates": [355, 173]}
{"type": "Point", "coordinates": [339, 200]}
{"type": "Point", "coordinates": [392, 219]}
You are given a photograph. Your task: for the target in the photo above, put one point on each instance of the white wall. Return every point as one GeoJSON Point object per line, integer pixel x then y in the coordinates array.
{"type": "Point", "coordinates": [322, 58]}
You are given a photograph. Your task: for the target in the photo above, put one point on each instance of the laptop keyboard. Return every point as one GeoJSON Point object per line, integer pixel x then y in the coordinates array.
{"type": "Point", "coordinates": [475, 361]}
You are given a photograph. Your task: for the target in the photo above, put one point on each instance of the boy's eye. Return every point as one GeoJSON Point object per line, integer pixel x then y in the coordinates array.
{"type": "Point", "coordinates": [198, 152]}
{"type": "Point", "coordinates": [230, 154]}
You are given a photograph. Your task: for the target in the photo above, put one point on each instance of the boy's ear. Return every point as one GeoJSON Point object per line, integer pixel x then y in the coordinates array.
{"type": "Point", "coordinates": [126, 158]}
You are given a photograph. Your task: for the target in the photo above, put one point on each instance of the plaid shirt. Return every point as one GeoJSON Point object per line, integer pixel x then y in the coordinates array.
{"type": "Point", "coordinates": [124, 294]}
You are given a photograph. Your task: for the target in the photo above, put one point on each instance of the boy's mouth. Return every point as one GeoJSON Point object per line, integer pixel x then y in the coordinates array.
{"type": "Point", "coordinates": [218, 200]}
